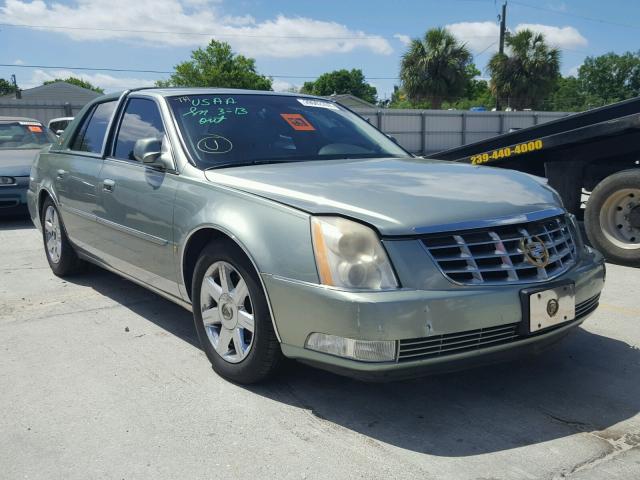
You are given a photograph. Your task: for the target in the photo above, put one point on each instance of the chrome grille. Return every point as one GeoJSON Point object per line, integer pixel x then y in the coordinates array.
{"type": "Point", "coordinates": [452, 343]}
{"type": "Point", "coordinates": [494, 255]}
{"type": "Point", "coordinates": [587, 306]}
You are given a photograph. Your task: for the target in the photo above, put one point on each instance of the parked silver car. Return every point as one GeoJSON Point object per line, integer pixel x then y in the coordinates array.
{"type": "Point", "coordinates": [291, 227]}
{"type": "Point", "coordinates": [20, 141]}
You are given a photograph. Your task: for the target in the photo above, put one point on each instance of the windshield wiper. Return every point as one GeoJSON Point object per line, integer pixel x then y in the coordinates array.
{"type": "Point", "coordinates": [246, 164]}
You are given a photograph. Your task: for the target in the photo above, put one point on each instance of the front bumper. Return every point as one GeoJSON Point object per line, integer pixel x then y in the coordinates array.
{"type": "Point", "coordinates": [300, 309]}
{"type": "Point", "coordinates": [13, 198]}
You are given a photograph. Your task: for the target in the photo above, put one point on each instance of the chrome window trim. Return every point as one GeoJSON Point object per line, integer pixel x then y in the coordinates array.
{"type": "Point", "coordinates": [84, 121]}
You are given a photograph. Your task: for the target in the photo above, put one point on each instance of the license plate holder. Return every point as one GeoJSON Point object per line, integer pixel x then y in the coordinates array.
{"type": "Point", "coordinates": [547, 307]}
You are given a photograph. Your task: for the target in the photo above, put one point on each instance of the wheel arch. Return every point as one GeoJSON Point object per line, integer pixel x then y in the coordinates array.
{"type": "Point", "coordinates": [196, 241]}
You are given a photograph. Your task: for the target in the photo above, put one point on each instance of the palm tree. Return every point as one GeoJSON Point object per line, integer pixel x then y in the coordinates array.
{"type": "Point", "coordinates": [527, 74]}
{"type": "Point", "coordinates": [434, 68]}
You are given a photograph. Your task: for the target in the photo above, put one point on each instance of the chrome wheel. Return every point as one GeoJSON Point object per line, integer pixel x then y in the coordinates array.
{"type": "Point", "coordinates": [227, 312]}
{"type": "Point", "coordinates": [620, 218]}
{"type": "Point", "coordinates": [52, 234]}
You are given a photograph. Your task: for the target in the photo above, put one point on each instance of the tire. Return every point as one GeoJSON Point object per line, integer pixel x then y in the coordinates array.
{"type": "Point", "coordinates": [222, 315]}
{"type": "Point", "coordinates": [612, 217]}
{"type": "Point", "coordinates": [60, 254]}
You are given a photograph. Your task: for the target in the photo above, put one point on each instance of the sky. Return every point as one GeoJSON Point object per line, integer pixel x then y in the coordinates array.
{"type": "Point", "coordinates": [292, 41]}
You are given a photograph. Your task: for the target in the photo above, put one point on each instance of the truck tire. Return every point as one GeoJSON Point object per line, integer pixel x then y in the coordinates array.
{"type": "Point", "coordinates": [612, 217]}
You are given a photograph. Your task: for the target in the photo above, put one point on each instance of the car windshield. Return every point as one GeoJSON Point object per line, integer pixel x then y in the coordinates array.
{"type": "Point", "coordinates": [245, 129]}
{"type": "Point", "coordinates": [24, 135]}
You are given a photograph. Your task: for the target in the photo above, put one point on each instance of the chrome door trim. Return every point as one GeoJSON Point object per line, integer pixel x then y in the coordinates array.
{"type": "Point", "coordinates": [132, 231]}
{"type": "Point", "coordinates": [79, 213]}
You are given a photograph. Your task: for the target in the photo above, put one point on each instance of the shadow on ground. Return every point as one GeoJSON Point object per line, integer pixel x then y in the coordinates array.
{"type": "Point", "coordinates": [15, 222]}
{"type": "Point", "coordinates": [587, 382]}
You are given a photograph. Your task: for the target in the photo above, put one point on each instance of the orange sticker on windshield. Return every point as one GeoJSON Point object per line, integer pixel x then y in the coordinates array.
{"type": "Point", "coordinates": [297, 121]}
{"type": "Point", "coordinates": [35, 128]}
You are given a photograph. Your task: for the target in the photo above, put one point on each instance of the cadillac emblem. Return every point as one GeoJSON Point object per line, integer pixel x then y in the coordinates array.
{"type": "Point", "coordinates": [552, 307]}
{"type": "Point", "coordinates": [535, 251]}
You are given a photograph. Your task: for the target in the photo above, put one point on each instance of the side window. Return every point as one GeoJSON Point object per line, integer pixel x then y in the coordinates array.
{"type": "Point", "coordinates": [92, 132]}
{"type": "Point", "coordinates": [141, 120]}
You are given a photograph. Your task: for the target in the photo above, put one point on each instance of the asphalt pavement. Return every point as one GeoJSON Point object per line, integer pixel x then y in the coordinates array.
{"type": "Point", "coordinates": [102, 379]}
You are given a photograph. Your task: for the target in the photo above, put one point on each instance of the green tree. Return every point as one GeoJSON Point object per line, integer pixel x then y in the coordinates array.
{"type": "Point", "coordinates": [6, 87]}
{"type": "Point", "coordinates": [217, 66]}
{"type": "Point", "coordinates": [435, 68]}
{"type": "Point", "coordinates": [476, 93]}
{"type": "Point", "coordinates": [610, 77]}
{"type": "Point", "coordinates": [526, 75]}
{"type": "Point", "coordinates": [568, 96]}
{"type": "Point", "coordinates": [77, 82]}
{"type": "Point", "coordinates": [342, 82]}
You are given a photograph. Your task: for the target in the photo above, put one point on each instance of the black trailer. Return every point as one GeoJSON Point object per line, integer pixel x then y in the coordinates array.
{"type": "Point", "coordinates": [595, 152]}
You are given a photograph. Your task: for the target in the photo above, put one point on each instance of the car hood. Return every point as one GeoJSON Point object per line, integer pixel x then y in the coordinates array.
{"type": "Point", "coordinates": [17, 163]}
{"type": "Point", "coordinates": [397, 196]}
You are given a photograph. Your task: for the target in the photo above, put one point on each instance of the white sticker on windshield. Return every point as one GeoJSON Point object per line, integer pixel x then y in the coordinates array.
{"type": "Point", "coordinates": [307, 102]}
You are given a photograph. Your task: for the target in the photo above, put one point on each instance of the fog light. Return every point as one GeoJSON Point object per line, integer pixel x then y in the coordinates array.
{"type": "Point", "coordinates": [363, 350]}
{"type": "Point", "coordinates": [7, 180]}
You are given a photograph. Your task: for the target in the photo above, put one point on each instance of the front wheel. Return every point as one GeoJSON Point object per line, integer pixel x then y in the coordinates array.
{"type": "Point", "coordinates": [612, 217]}
{"type": "Point", "coordinates": [231, 315]}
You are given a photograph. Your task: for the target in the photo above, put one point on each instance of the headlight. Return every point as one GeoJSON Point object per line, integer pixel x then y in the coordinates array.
{"type": "Point", "coordinates": [7, 181]}
{"type": "Point", "coordinates": [350, 255]}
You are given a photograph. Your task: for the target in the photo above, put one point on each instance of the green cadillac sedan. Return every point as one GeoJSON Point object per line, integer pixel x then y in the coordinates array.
{"type": "Point", "coordinates": [291, 227]}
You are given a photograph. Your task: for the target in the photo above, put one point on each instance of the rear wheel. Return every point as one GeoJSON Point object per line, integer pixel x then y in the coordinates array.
{"type": "Point", "coordinates": [61, 256]}
{"type": "Point", "coordinates": [612, 217]}
{"type": "Point", "coordinates": [232, 316]}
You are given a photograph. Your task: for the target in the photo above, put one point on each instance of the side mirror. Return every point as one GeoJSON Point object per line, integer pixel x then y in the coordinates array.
{"type": "Point", "coordinates": [147, 150]}
{"type": "Point", "coordinates": [150, 152]}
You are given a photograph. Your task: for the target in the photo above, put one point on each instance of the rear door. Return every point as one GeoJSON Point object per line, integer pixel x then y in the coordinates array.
{"type": "Point", "coordinates": [137, 201]}
{"type": "Point", "coordinates": [75, 174]}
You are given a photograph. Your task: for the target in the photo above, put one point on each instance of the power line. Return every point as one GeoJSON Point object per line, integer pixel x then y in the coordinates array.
{"type": "Point", "coordinates": [205, 34]}
{"type": "Point", "coordinates": [569, 14]}
{"type": "Point", "coordinates": [209, 34]}
{"type": "Point", "coordinates": [132, 70]}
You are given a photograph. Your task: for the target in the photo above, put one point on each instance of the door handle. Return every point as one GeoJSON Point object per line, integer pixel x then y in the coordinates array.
{"type": "Point", "coordinates": [108, 185]}
{"type": "Point", "coordinates": [60, 174]}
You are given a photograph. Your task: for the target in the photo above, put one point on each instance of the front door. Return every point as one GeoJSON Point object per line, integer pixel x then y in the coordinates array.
{"type": "Point", "coordinates": [137, 202]}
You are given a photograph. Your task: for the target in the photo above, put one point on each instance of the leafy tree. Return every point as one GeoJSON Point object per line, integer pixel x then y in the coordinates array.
{"type": "Point", "coordinates": [434, 68]}
{"type": "Point", "coordinates": [342, 82]}
{"type": "Point", "coordinates": [217, 66]}
{"type": "Point", "coordinates": [476, 93]}
{"type": "Point", "coordinates": [77, 82]}
{"type": "Point", "coordinates": [610, 78]}
{"type": "Point", "coordinates": [6, 87]}
{"type": "Point", "coordinates": [527, 74]}
{"type": "Point", "coordinates": [568, 96]}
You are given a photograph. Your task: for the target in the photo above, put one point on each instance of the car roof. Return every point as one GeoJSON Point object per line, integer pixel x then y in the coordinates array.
{"type": "Point", "coordinates": [18, 119]}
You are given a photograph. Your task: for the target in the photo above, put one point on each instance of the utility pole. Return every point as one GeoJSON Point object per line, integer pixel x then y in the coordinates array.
{"type": "Point", "coordinates": [15, 84]}
{"type": "Point", "coordinates": [503, 29]}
